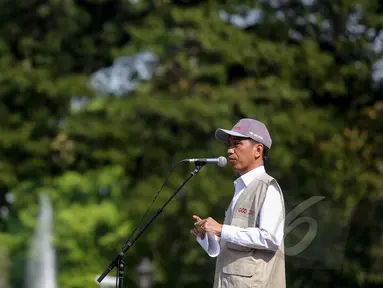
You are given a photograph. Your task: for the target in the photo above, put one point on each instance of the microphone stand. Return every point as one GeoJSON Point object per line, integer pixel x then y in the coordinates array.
{"type": "Point", "coordinates": [118, 260]}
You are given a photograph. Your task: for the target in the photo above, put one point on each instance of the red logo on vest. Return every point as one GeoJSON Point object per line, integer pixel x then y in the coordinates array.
{"type": "Point", "coordinates": [245, 211]}
{"type": "Point", "coordinates": [242, 210]}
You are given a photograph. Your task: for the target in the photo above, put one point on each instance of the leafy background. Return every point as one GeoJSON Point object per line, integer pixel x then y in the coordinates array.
{"type": "Point", "coordinates": [100, 98]}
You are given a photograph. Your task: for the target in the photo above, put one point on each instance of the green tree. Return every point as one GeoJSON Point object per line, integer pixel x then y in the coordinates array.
{"type": "Point", "coordinates": [304, 68]}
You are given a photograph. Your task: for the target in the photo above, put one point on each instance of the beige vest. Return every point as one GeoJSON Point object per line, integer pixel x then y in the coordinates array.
{"type": "Point", "coordinates": [242, 267]}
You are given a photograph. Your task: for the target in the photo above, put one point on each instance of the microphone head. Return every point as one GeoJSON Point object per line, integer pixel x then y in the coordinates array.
{"type": "Point", "coordinates": [222, 161]}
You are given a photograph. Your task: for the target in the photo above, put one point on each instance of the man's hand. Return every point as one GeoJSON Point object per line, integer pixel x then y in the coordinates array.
{"type": "Point", "coordinates": [197, 232]}
{"type": "Point", "coordinates": [208, 225]}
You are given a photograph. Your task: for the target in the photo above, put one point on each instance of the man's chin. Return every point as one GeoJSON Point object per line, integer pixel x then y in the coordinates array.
{"type": "Point", "coordinates": [234, 168]}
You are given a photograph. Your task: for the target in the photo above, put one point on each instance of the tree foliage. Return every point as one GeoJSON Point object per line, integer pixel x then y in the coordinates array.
{"type": "Point", "coordinates": [305, 68]}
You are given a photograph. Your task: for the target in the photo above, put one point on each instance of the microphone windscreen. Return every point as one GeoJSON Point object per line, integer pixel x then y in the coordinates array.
{"type": "Point", "coordinates": [222, 161]}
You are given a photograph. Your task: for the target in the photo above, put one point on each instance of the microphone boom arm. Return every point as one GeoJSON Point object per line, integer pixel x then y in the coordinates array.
{"type": "Point", "coordinates": [118, 260]}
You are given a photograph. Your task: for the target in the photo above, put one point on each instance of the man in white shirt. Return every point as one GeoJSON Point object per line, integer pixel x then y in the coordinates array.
{"type": "Point", "coordinates": [248, 144]}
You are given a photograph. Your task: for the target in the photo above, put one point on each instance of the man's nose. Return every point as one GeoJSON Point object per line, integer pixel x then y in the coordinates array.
{"type": "Point", "coordinates": [230, 150]}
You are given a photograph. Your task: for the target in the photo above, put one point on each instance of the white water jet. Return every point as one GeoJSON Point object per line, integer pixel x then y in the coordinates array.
{"type": "Point", "coordinates": [41, 265]}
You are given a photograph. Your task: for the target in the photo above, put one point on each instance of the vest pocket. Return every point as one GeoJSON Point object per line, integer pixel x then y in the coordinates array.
{"type": "Point", "coordinates": [243, 268]}
{"type": "Point", "coordinates": [239, 263]}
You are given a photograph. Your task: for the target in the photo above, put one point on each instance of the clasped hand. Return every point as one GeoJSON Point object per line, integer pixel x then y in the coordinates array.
{"type": "Point", "coordinates": [201, 226]}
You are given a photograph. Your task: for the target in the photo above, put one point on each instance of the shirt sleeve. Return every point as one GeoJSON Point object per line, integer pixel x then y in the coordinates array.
{"type": "Point", "coordinates": [210, 244]}
{"type": "Point", "coordinates": [269, 235]}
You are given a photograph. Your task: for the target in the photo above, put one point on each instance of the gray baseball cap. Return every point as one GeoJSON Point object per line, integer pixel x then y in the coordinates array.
{"type": "Point", "coordinates": [248, 128]}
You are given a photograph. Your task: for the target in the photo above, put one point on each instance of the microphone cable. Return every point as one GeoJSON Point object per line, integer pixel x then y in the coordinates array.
{"type": "Point", "coordinates": [154, 199]}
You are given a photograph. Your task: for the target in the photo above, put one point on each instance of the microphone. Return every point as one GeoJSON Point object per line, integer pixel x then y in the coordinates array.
{"type": "Point", "coordinates": [220, 161]}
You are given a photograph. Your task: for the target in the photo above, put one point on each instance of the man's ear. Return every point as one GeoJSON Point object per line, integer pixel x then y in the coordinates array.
{"type": "Point", "coordinates": [257, 150]}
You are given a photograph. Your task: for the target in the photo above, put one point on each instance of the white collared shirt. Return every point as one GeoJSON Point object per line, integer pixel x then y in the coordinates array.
{"type": "Point", "coordinates": [269, 234]}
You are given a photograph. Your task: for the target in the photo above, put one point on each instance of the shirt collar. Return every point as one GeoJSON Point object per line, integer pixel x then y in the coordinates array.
{"type": "Point", "coordinates": [245, 179]}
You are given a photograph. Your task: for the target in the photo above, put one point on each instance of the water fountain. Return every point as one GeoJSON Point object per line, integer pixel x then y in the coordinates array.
{"type": "Point", "coordinates": [41, 266]}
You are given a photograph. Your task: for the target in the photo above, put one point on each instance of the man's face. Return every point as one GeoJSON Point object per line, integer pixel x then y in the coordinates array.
{"type": "Point", "coordinates": [243, 154]}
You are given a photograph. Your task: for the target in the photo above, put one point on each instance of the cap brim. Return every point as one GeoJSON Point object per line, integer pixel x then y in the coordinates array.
{"type": "Point", "coordinates": [223, 134]}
